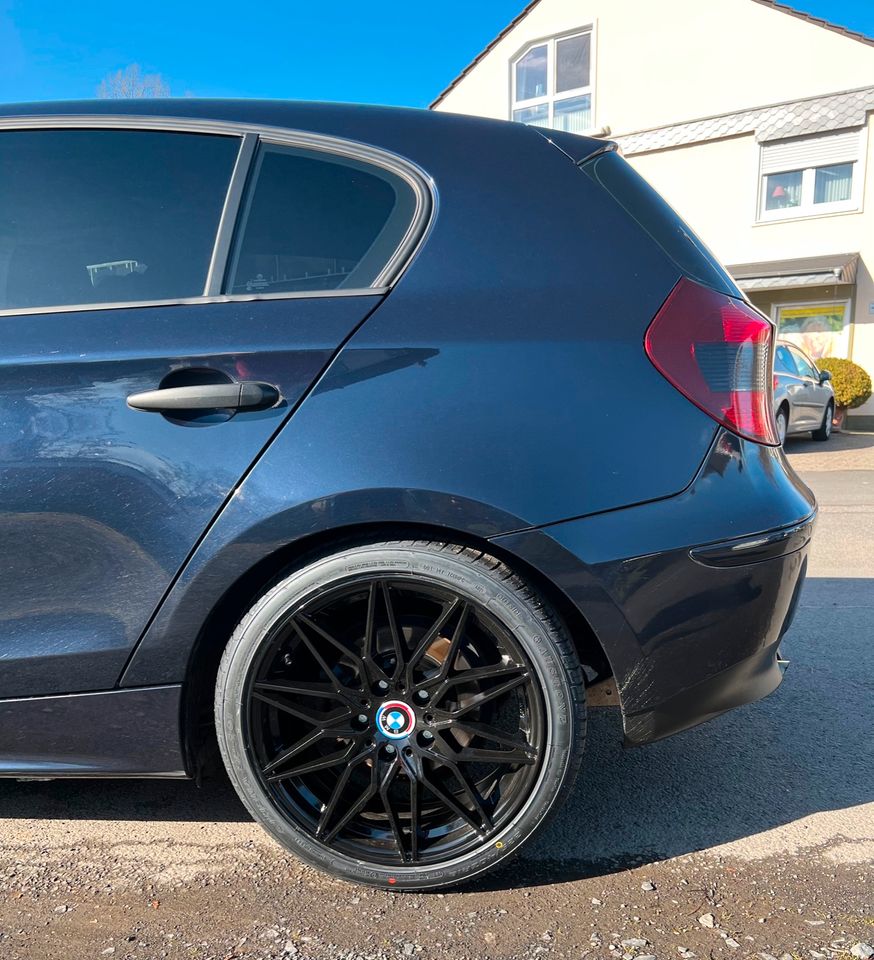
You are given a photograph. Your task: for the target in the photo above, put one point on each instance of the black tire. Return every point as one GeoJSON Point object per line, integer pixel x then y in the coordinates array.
{"type": "Point", "coordinates": [396, 583]}
{"type": "Point", "coordinates": [782, 424]}
{"type": "Point", "coordinates": [825, 429]}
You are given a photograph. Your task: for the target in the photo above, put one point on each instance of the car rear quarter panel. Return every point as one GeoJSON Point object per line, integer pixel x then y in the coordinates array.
{"type": "Point", "coordinates": [671, 617]}
{"type": "Point", "coordinates": [503, 383]}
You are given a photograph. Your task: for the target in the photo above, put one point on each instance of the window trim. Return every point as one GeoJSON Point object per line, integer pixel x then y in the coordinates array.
{"type": "Point", "coordinates": [230, 211]}
{"type": "Point", "coordinates": [807, 208]}
{"type": "Point", "coordinates": [551, 97]}
{"type": "Point", "coordinates": [250, 136]}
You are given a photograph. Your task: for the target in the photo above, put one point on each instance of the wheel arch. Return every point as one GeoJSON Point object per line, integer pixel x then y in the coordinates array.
{"type": "Point", "coordinates": [197, 730]}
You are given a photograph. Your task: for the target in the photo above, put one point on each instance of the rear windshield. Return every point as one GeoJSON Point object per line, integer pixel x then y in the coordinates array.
{"type": "Point", "coordinates": [659, 220]}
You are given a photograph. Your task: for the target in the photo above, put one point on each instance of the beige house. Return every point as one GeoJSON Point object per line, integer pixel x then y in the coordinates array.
{"type": "Point", "coordinates": [751, 118]}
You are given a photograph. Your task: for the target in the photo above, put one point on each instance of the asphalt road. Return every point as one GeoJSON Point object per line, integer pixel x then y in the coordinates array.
{"type": "Point", "coordinates": [761, 820]}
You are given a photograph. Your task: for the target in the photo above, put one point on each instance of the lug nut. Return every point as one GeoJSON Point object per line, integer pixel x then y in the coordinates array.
{"type": "Point", "coordinates": [422, 695]}
{"type": "Point", "coordinates": [362, 717]}
{"type": "Point", "coordinates": [427, 735]}
{"type": "Point", "coordinates": [389, 748]}
{"type": "Point", "coordinates": [382, 686]}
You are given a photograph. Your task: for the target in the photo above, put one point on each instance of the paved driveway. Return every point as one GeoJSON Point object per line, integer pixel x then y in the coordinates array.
{"type": "Point", "coordinates": [760, 823]}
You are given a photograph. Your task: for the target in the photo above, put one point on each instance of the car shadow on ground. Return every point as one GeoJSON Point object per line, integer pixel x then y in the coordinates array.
{"type": "Point", "coordinates": [806, 749]}
{"type": "Point", "coordinates": [837, 443]}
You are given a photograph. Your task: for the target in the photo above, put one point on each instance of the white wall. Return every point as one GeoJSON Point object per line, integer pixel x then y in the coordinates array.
{"type": "Point", "coordinates": [658, 63]}
{"type": "Point", "coordinates": [714, 188]}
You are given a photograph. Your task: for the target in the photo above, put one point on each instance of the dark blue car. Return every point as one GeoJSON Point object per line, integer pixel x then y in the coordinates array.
{"type": "Point", "coordinates": [367, 440]}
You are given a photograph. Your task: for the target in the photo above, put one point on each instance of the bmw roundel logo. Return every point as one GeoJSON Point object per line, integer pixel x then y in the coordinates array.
{"type": "Point", "coordinates": [395, 719]}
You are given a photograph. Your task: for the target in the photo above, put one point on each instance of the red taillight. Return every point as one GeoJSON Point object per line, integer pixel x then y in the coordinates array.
{"type": "Point", "coordinates": [717, 351]}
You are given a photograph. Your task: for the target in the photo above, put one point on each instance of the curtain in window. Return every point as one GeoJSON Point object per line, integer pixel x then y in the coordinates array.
{"type": "Point", "coordinates": [534, 116]}
{"type": "Point", "coordinates": [833, 184]}
{"type": "Point", "coordinates": [573, 115]}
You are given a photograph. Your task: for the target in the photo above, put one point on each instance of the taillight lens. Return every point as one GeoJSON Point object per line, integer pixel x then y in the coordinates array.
{"type": "Point", "coordinates": [717, 351]}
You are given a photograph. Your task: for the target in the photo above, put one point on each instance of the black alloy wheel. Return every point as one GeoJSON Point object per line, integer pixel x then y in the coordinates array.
{"type": "Point", "coordinates": [386, 713]}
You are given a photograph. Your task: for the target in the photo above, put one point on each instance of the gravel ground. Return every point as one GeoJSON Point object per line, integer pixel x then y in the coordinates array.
{"type": "Point", "coordinates": [751, 836]}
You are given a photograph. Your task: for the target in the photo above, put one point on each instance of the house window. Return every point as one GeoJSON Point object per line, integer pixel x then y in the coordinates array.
{"type": "Point", "coordinates": [809, 176]}
{"type": "Point", "coordinates": [819, 329]}
{"type": "Point", "coordinates": [552, 85]}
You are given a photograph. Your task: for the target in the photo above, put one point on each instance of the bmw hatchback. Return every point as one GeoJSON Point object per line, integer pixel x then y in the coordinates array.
{"type": "Point", "coordinates": [372, 443]}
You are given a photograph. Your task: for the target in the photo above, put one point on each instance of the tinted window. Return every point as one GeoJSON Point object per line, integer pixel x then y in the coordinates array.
{"type": "Point", "coordinates": [313, 221]}
{"type": "Point", "coordinates": [805, 367]}
{"type": "Point", "coordinates": [99, 216]}
{"type": "Point", "coordinates": [783, 362]}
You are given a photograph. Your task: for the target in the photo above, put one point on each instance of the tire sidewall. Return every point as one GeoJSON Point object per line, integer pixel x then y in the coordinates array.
{"type": "Point", "coordinates": [782, 418]}
{"type": "Point", "coordinates": [824, 430]}
{"type": "Point", "coordinates": [476, 583]}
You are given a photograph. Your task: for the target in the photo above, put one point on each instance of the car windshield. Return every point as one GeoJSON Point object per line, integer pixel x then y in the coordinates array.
{"type": "Point", "coordinates": [783, 362]}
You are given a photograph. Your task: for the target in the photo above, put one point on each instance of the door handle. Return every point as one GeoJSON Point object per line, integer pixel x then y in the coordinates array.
{"type": "Point", "coordinates": [248, 395]}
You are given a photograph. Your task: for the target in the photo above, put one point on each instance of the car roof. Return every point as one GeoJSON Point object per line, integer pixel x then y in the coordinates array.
{"type": "Point", "coordinates": [368, 123]}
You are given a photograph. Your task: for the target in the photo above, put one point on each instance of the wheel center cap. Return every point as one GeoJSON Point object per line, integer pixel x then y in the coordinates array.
{"type": "Point", "coordinates": [395, 719]}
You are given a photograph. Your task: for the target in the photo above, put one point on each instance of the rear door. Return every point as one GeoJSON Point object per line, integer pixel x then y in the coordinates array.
{"type": "Point", "coordinates": [113, 284]}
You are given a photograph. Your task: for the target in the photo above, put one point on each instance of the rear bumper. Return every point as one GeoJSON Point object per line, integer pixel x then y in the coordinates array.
{"type": "Point", "coordinates": [742, 683]}
{"type": "Point", "coordinates": [689, 608]}
{"type": "Point", "coordinates": [726, 654]}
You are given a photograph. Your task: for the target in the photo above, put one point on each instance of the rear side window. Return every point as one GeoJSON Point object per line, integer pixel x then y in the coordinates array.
{"type": "Point", "coordinates": [315, 221]}
{"type": "Point", "coordinates": [659, 220]}
{"type": "Point", "coordinates": [108, 216]}
{"type": "Point", "coordinates": [783, 362]}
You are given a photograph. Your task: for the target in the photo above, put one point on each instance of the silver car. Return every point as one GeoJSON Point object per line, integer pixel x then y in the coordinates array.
{"type": "Point", "coordinates": [803, 395]}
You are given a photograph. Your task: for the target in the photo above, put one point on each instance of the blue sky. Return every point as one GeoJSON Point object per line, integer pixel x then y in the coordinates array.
{"type": "Point", "coordinates": [375, 51]}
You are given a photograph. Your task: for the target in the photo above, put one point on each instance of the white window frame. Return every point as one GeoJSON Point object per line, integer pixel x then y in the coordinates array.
{"type": "Point", "coordinates": [550, 98]}
{"type": "Point", "coordinates": [807, 208]}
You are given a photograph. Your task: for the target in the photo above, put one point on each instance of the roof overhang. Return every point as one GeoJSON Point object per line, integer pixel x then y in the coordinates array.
{"type": "Point", "coordinates": [803, 272]}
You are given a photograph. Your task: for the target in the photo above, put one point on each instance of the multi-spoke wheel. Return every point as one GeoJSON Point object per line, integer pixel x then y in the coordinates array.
{"type": "Point", "coordinates": [401, 713]}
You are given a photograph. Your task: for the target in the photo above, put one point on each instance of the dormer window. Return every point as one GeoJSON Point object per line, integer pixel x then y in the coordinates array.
{"type": "Point", "coordinates": [552, 84]}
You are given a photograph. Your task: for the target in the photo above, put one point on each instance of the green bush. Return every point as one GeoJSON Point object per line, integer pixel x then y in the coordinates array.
{"type": "Point", "coordinates": [851, 384]}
